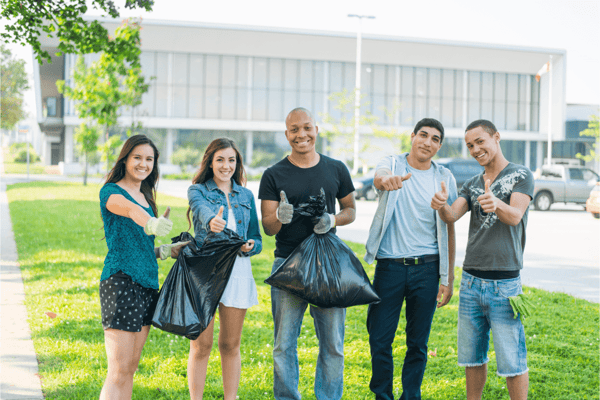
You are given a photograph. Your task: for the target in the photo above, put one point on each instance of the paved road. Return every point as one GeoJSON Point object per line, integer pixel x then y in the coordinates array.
{"type": "Point", "coordinates": [562, 252]}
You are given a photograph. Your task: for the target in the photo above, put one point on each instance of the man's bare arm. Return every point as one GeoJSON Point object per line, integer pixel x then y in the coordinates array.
{"type": "Point", "coordinates": [270, 223]}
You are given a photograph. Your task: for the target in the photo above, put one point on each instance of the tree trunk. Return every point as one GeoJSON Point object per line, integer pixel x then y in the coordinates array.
{"type": "Point", "coordinates": [85, 170]}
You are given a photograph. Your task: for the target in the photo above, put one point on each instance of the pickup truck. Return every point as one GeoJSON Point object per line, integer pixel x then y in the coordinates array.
{"type": "Point", "coordinates": [563, 184]}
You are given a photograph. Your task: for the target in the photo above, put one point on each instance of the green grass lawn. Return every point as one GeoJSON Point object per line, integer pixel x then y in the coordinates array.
{"type": "Point", "coordinates": [21, 168]}
{"type": "Point", "coordinates": [58, 231]}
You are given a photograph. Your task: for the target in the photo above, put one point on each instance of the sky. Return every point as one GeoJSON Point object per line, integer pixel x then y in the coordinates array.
{"type": "Point", "coordinates": [571, 25]}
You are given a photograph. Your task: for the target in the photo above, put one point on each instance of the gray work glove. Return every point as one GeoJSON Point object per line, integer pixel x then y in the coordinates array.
{"type": "Point", "coordinates": [324, 224]}
{"type": "Point", "coordinates": [285, 211]}
{"type": "Point", "coordinates": [171, 250]}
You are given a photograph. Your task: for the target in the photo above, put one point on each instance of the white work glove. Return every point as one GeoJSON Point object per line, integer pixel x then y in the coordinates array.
{"type": "Point", "coordinates": [159, 226]}
{"type": "Point", "coordinates": [325, 223]}
{"type": "Point", "coordinates": [285, 211]}
{"type": "Point", "coordinates": [172, 250]}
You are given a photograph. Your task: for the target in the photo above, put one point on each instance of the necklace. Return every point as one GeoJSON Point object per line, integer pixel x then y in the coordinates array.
{"type": "Point", "coordinates": [300, 166]}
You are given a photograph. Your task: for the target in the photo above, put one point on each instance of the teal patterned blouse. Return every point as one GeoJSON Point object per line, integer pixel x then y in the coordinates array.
{"type": "Point", "coordinates": [129, 248]}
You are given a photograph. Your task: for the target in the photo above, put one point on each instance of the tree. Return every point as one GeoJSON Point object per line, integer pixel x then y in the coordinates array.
{"type": "Point", "coordinates": [592, 130]}
{"type": "Point", "coordinates": [342, 129]}
{"type": "Point", "coordinates": [13, 82]}
{"type": "Point", "coordinates": [86, 138]}
{"type": "Point", "coordinates": [108, 84]}
{"type": "Point", "coordinates": [63, 19]}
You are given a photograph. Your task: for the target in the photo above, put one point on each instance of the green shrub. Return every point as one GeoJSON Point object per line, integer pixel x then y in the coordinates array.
{"type": "Point", "coordinates": [21, 155]}
{"type": "Point", "coordinates": [262, 159]}
{"type": "Point", "coordinates": [185, 156]}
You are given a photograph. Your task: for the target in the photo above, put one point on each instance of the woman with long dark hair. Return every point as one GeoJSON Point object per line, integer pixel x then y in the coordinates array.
{"type": "Point", "coordinates": [129, 280]}
{"type": "Point", "coordinates": [219, 185]}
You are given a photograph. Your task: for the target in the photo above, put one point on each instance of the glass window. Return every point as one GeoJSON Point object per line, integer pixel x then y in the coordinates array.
{"type": "Point", "coordinates": [180, 101]}
{"type": "Point", "coordinates": [161, 100]}
{"type": "Point", "coordinates": [275, 74]}
{"type": "Point", "coordinates": [259, 104]}
{"type": "Point", "coordinates": [291, 75]}
{"type": "Point", "coordinates": [535, 102]}
{"type": "Point", "coordinates": [335, 77]}
{"type": "Point", "coordinates": [487, 96]}
{"type": "Point", "coordinates": [306, 100]}
{"type": "Point", "coordinates": [434, 91]}
{"type": "Point", "coordinates": [196, 102]}
{"type": "Point", "coordinates": [211, 107]}
{"type": "Point", "coordinates": [228, 103]}
{"type": "Point", "coordinates": [306, 76]}
{"type": "Point", "coordinates": [259, 73]}
{"type": "Point", "coordinates": [196, 70]}
{"type": "Point", "coordinates": [576, 174]}
{"type": "Point", "coordinates": [349, 77]}
{"type": "Point", "coordinates": [366, 84]}
{"type": "Point", "coordinates": [459, 98]}
{"type": "Point", "coordinates": [448, 93]}
{"type": "Point", "coordinates": [162, 68]}
{"type": "Point", "coordinates": [228, 72]}
{"type": "Point", "coordinates": [523, 102]}
{"type": "Point", "coordinates": [379, 84]}
{"type": "Point", "coordinates": [290, 100]}
{"type": "Point", "coordinates": [275, 104]}
{"type": "Point", "coordinates": [147, 61]}
{"type": "Point", "coordinates": [390, 89]}
{"type": "Point", "coordinates": [500, 101]}
{"type": "Point", "coordinates": [242, 103]}
{"type": "Point", "coordinates": [319, 71]}
{"type": "Point", "coordinates": [242, 72]}
{"type": "Point", "coordinates": [213, 71]}
{"type": "Point", "coordinates": [420, 82]}
{"type": "Point", "coordinates": [474, 93]}
{"type": "Point", "coordinates": [180, 69]}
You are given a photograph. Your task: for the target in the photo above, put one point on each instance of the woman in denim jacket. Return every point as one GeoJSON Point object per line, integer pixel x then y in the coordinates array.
{"type": "Point", "coordinates": [217, 186]}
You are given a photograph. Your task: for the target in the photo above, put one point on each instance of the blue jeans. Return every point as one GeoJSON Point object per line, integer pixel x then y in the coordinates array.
{"type": "Point", "coordinates": [484, 305]}
{"type": "Point", "coordinates": [395, 282]}
{"type": "Point", "coordinates": [288, 311]}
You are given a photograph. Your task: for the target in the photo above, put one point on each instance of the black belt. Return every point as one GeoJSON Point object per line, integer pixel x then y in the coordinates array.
{"type": "Point", "coordinates": [414, 260]}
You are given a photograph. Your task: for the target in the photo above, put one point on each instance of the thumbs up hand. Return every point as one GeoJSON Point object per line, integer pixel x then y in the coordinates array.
{"type": "Point", "coordinates": [440, 198]}
{"type": "Point", "coordinates": [159, 226]}
{"type": "Point", "coordinates": [394, 182]}
{"type": "Point", "coordinates": [488, 202]}
{"type": "Point", "coordinates": [285, 211]}
{"type": "Point", "coordinates": [217, 224]}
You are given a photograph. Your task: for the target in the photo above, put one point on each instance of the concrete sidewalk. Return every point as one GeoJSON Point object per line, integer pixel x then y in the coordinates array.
{"type": "Point", "coordinates": [19, 377]}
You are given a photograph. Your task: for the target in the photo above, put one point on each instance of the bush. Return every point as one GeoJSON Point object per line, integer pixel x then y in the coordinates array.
{"type": "Point", "coordinates": [262, 159]}
{"type": "Point", "coordinates": [21, 155]}
{"type": "Point", "coordinates": [186, 156]}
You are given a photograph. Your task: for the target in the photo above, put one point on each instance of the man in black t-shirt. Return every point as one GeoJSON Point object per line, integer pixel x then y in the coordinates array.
{"type": "Point", "coordinates": [284, 186]}
{"type": "Point", "coordinates": [498, 200]}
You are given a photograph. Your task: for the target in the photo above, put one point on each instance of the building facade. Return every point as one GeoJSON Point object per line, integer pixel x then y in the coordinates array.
{"type": "Point", "coordinates": [212, 80]}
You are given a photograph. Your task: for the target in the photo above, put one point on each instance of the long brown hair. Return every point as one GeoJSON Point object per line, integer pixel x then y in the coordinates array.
{"type": "Point", "coordinates": [149, 184]}
{"type": "Point", "coordinates": [206, 173]}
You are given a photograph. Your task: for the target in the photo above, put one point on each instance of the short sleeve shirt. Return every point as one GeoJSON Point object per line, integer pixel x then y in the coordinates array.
{"type": "Point", "coordinates": [299, 184]}
{"type": "Point", "coordinates": [129, 248]}
{"type": "Point", "coordinates": [492, 244]}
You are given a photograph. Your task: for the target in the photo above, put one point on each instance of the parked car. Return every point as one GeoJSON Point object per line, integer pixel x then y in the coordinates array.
{"type": "Point", "coordinates": [563, 184]}
{"type": "Point", "coordinates": [364, 188]}
{"type": "Point", "coordinates": [463, 169]}
{"type": "Point", "coordinates": [593, 202]}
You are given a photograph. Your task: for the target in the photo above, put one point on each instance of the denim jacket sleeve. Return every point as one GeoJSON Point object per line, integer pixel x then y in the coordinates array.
{"type": "Point", "coordinates": [254, 230]}
{"type": "Point", "coordinates": [201, 207]}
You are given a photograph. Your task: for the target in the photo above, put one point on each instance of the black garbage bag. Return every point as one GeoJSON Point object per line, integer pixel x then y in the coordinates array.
{"type": "Point", "coordinates": [323, 270]}
{"type": "Point", "coordinates": [189, 297]}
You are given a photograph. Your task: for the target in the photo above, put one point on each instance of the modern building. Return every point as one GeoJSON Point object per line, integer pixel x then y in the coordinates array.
{"type": "Point", "coordinates": [240, 81]}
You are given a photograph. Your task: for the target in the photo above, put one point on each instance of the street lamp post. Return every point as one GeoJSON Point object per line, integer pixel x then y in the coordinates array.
{"type": "Point", "coordinates": [357, 88]}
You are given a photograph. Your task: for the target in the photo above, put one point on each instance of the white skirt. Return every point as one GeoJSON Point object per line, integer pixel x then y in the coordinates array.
{"type": "Point", "coordinates": [240, 291]}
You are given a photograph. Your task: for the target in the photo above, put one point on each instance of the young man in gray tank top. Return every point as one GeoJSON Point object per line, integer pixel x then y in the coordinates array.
{"type": "Point", "coordinates": [498, 200]}
{"type": "Point", "coordinates": [414, 249]}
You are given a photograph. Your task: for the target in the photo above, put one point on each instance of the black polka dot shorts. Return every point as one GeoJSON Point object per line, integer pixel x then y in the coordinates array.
{"type": "Point", "coordinates": [126, 305]}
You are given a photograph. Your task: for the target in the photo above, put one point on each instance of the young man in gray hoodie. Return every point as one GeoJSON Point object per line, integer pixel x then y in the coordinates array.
{"type": "Point", "coordinates": [414, 250]}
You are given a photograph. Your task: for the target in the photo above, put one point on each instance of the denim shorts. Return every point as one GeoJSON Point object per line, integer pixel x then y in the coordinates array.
{"type": "Point", "coordinates": [484, 305]}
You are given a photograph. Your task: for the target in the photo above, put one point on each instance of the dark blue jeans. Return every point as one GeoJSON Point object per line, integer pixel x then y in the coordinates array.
{"type": "Point", "coordinates": [394, 283]}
